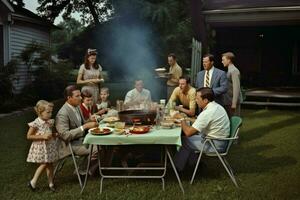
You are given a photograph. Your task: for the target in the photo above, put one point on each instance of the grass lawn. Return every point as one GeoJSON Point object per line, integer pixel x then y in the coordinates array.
{"type": "Point", "coordinates": [266, 162]}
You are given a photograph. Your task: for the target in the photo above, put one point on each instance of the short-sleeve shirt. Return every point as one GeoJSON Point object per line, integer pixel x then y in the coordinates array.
{"type": "Point", "coordinates": [176, 73]}
{"type": "Point", "coordinates": [213, 121]}
{"type": "Point", "coordinates": [187, 100]}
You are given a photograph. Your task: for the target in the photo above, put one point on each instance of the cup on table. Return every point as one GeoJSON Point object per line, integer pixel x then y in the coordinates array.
{"type": "Point", "coordinates": [120, 125]}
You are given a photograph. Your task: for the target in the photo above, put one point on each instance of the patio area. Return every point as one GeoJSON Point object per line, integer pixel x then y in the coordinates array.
{"type": "Point", "coordinates": [266, 162]}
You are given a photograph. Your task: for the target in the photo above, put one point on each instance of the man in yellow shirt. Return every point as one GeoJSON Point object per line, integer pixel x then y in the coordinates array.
{"type": "Point", "coordinates": [175, 72]}
{"type": "Point", "coordinates": [185, 94]}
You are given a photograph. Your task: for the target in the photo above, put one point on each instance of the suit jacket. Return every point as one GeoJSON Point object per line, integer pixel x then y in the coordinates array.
{"type": "Point", "coordinates": [218, 83]}
{"type": "Point", "coordinates": [68, 128]}
{"type": "Point", "coordinates": [233, 95]}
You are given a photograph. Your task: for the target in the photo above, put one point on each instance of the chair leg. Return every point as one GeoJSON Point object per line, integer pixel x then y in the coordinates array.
{"type": "Point", "coordinates": [76, 168]}
{"type": "Point", "coordinates": [197, 164]}
{"type": "Point", "coordinates": [229, 171]}
{"type": "Point", "coordinates": [58, 166]}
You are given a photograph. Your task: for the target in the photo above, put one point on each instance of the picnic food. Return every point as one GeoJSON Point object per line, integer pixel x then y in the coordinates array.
{"type": "Point", "coordinates": [167, 124]}
{"type": "Point", "coordinates": [139, 129]}
{"type": "Point", "coordinates": [111, 119]}
{"type": "Point", "coordinates": [100, 131]}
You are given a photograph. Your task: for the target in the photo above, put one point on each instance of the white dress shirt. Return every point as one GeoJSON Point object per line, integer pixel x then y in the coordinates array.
{"type": "Point", "coordinates": [213, 121]}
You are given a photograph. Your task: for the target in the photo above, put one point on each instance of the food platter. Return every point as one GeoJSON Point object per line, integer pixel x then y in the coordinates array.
{"type": "Point", "coordinates": [101, 131]}
{"type": "Point", "coordinates": [139, 129]}
{"type": "Point", "coordinates": [111, 119]}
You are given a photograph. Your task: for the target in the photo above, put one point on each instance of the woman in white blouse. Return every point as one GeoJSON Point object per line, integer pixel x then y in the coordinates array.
{"type": "Point", "coordinates": [89, 74]}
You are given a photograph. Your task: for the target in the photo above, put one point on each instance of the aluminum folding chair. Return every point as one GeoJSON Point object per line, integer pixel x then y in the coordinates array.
{"type": "Point", "coordinates": [62, 161]}
{"type": "Point", "coordinates": [235, 124]}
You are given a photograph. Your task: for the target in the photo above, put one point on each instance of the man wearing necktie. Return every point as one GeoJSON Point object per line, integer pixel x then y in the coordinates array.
{"type": "Point", "coordinates": [212, 77]}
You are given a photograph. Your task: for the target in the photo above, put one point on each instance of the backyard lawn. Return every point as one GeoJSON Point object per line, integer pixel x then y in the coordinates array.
{"type": "Point", "coordinates": [266, 161]}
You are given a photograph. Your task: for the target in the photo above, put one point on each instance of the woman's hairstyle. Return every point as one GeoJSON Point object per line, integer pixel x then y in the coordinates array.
{"type": "Point", "coordinates": [104, 89]}
{"type": "Point", "coordinates": [86, 94]}
{"type": "Point", "coordinates": [90, 52]}
{"type": "Point", "coordinates": [41, 106]}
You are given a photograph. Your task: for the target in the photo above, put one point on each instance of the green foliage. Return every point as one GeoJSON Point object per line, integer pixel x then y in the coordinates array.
{"type": "Point", "coordinates": [6, 77]}
{"type": "Point", "coordinates": [69, 29]}
{"type": "Point", "coordinates": [46, 78]}
{"type": "Point", "coordinates": [91, 11]}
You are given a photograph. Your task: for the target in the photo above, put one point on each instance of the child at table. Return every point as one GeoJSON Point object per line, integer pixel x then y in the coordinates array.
{"type": "Point", "coordinates": [43, 149]}
{"type": "Point", "coordinates": [104, 104]}
{"type": "Point", "coordinates": [87, 107]}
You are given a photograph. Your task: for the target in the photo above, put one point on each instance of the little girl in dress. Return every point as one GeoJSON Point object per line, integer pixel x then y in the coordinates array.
{"type": "Point", "coordinates": [43, 149]}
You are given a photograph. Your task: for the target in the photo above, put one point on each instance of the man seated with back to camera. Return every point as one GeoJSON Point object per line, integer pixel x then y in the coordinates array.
{"type": "Point", "coordinates": [212, 121]}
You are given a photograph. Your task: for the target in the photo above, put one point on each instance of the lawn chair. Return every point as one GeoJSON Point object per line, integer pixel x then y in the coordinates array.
{"type": "Point", "coordinates": [62, 161]}
{"type": "Point", "coordinates": [235, 124]}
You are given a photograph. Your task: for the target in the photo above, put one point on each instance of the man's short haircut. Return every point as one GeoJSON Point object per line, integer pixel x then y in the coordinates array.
{"type": "Point", "coordinates": [68, 92]}
{"type": "Point", "coordinates": [229, 55]}
{"type": "Point", "coordinates": [104, 89]}
{"type": "Point", "coordinates": [210, 56]}
{"type": "Point", "coordinates": [207, 93]}
{"type": "Point", "coordinates": [172, 55]}
{"type": "Point", "coordinates": [86, 94]}
{"type": "Point", "coordinates": [187, 78]}
{"type": "Point", "coordinates": [138, 79]}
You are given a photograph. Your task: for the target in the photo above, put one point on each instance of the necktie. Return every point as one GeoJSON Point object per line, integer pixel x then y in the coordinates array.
{"type": "Point", "coordinates": [77, 113]}
{"type": "Point", "coordinates": [207, 79]}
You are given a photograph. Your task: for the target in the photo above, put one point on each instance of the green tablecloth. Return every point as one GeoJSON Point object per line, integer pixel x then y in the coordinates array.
{"type": "Point", "coordinates": [155, 136]}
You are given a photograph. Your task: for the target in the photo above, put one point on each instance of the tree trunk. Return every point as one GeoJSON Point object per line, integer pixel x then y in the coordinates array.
{"type": "Point", "coordinates": [93, 12]}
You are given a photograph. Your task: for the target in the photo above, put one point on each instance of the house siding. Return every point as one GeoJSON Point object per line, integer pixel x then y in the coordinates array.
{"type": "Point", "coordinates": [22, 34]}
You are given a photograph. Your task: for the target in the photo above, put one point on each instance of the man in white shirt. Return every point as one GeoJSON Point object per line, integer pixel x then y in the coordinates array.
{"type": "Point", "coordinates": [212, 121]}
{"type": "Point", "coordinates": [137, 97]}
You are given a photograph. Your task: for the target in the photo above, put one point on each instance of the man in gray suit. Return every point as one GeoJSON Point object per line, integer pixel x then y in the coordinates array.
{"type": "Point", "coordinates": [70, 124]}
{"type": "Point", "coordinates": [233, 96]}
{"type": "Point", "coordinates": [212, 77]}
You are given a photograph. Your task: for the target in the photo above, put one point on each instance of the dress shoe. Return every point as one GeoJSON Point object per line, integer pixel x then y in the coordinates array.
{"type": "Point", "coordinates": [30, 186]}
{"type": "Point", "coordinates": [52, 188]}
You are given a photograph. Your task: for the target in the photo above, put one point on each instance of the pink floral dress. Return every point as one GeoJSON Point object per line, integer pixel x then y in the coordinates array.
{"type": "Point", "coordinates": [42, 151]}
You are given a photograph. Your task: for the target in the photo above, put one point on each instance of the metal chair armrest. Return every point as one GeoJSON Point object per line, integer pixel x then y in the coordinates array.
{"type": "Point", "coordinates": [221, 139]}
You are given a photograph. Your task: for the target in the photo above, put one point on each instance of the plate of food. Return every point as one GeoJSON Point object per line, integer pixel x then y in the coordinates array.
{"type": "Point", "coordinates": [101, 131]}
{"type": "Point", "coordinates": [111, 119]}
{"type": "Point", "coordinates": [162, 69]}
{"type": "Point", "coordinates": [167, 124]}
{"type": "Point", "coordinates": [139, 129]}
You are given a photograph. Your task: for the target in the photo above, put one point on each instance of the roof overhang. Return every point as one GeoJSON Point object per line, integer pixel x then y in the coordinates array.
{"type": "Point", "coordinates": [8, 5]}
{"type": "Point", "coordinates": [289, 15]}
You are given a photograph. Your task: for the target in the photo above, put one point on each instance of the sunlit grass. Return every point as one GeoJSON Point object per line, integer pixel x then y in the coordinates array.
{"type": "Point", "coordinates": [266, 162]}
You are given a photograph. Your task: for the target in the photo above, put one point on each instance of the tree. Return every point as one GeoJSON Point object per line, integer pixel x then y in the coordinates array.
{"type": "Point", "coordinates": [98, 10]}
{"type": "Point", "coordinates": [69, 29]}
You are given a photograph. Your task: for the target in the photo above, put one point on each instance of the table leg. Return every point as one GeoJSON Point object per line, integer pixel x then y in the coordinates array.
{"type": "Point", "coordinates": [88, 167]}
{"type": "Point", "coordinates": [174, 168]}
{"type": "Point", "coordinates": [100, 169]}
